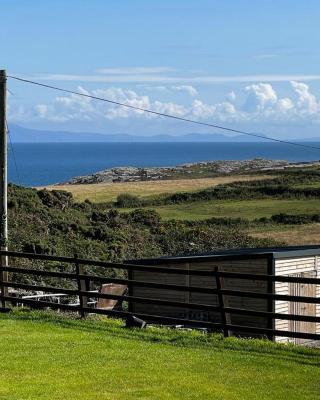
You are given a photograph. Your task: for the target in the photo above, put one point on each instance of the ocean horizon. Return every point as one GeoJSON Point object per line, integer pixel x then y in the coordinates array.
{"type": "Point", "coordinates": [40, 164]}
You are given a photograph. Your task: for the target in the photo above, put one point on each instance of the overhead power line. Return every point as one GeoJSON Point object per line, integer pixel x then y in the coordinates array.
{"type": "Point", "coordinates": [192, 121]}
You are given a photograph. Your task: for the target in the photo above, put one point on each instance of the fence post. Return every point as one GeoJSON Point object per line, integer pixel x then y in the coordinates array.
{"type": "Point", "coordinates": [3, 277]}
{"type": "Point", "coordinates": [82, 286]}
{"type": "Point", "coordinates": [221, 303]}
{"type": "Point", "coordinates": [3, 182]}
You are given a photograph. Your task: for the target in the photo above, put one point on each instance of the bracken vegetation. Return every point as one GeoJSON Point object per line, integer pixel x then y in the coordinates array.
{"type": "Point", "coordinates": [51, 223]}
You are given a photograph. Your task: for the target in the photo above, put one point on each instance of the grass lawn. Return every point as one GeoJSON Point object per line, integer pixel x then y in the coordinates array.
{"type": "Point", "coordinates": [47, 356]}
{"type": "Point", "coordinates": [249, 209]}
{"type": "Point", "coordinates": [105, 192]}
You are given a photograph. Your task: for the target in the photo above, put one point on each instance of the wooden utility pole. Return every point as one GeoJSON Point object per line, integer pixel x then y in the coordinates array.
{"type": "Point", "coordinates": [3, 180]}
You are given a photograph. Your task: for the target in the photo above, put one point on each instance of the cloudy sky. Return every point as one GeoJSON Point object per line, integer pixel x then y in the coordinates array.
{"type": "Point", "coordinates": [244, 64]}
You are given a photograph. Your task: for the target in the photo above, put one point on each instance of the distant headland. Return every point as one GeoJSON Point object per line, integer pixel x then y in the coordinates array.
{"type": "Point", "coordinates": [188, 170]}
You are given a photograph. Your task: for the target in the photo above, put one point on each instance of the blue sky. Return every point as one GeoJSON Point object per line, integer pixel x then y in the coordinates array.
{"type": "Point", "coordinates": [245, 64]}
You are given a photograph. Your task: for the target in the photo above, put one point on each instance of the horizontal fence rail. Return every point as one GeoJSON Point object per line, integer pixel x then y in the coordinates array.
{"type": "Point", "coordinates": [80, 281]}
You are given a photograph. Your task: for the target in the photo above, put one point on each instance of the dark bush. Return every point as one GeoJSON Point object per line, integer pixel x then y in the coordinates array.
{"type": "Point", "coordinates": [295, 219]}
{"type": "Point", "coordinates": [56, 198]}
{"type": "Point", "coordinates": [146, 217]}
{"type": "Point", "coordinates": [127, 200]}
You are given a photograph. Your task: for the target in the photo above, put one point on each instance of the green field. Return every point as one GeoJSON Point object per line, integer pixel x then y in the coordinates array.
{"type": "Point", "coordinates": [47, 356]}
{"type": "Point", "coordinates": [314, 185]}
{"type": "Point", "coordinates": [105, 192]}
{"type": "Point", "coordinates": [249, 209]}
{"type": "Point", "coordinates": [285, 199]}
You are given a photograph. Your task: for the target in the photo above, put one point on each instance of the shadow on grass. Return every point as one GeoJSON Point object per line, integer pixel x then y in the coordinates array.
{"type": "Point", "coordinates": [161, 335]}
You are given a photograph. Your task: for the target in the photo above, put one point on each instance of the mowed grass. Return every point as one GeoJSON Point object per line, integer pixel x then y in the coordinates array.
{"type": "Point", "coordinates": [105, 192]}
{"type": "Point", "coordinates": [249, 209]}
{"type": "Point", "coordinates": [50, 357]}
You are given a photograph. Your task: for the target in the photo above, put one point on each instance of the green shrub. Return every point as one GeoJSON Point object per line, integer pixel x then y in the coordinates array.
{"type": "Point", "coordinates": [127, 200]}
{"type": "Point", "coordinates": [294, 219]}
{"type": "Point", "coordinates": [146, 217]}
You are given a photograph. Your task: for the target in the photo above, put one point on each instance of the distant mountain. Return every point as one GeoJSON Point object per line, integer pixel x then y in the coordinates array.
{"type": "Point", "coordinates": [20, 134]}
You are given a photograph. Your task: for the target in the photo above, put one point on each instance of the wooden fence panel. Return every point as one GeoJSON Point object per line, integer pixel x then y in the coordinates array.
{"type": "Point", "coordinates": [81, 281]}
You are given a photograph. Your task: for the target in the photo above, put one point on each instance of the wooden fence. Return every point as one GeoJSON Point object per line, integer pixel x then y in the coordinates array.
{"type": "Point", "coordinates": [82, 282]}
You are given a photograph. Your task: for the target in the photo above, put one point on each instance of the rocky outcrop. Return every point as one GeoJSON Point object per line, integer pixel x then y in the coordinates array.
{"type": "Point", "coordinates": [206, 168]}
{"type": "Point", "coordinates": [124, 174]}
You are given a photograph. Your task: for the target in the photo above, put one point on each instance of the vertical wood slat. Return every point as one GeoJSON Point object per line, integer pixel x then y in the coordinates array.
{"type": "Point", "coordinates": [4, 277]}
{"type": "Point", "coordinates": [83, 285]}
{"type": "Point", "coordinates": [4, 290]}
{"type": "Point", "coordinates": [301, 289]}
{"type": "Point", "coordinates": [221, 303]}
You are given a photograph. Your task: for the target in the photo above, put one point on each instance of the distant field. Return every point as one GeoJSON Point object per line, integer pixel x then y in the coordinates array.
{"type": "Point", "coordinates": [249, 209]}
{"type": "Point", "coordinates": [313, 185]}
{"type": "Point", "coordinates": [291, 235]}
{"type": "Point", "coordinates": [104, 192]}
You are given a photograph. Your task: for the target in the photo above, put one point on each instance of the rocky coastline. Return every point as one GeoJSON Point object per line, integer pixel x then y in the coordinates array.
{"type": "Point", "coordinates": [188, 170]}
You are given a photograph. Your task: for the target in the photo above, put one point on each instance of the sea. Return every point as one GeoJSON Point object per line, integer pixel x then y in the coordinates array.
{"type": "Point", "coordinates": [41, 164]}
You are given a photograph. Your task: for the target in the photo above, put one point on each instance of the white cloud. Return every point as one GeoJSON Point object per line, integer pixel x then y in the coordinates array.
{"type": "Point", "coordinates": [227, 110]}
{"type": "Point", "coordinates": [221, 111]}
{"type": "Point", "coordinates": [260, 96]}
{"type": "Point", "coordinates": [170, 108]}
{"type": "Point", "coordinates": [187, 88]}
{"type": "Point", "coordinates": [129, 97]}
{"type": "Point", "coordinates": [42, 110]}
{"type": "Point", "coordinates": [231, 96]}
{"type": "Point", "coordinates": [306, 100]}
{"type": "Point", "coordinates": [155, 88]}
{"type": "Point", "coordinates": [135, 70]}
{"type": "Point", "coordinates": [284, 105]}
{"type": "Point", "coordinates": [125, 76]}
{"type": "Point", "coordinates": [202, 110]}
{"type": "Point", "coordinates": [192, 91]}
{"type": "Point", "coordinates": [261, 104]}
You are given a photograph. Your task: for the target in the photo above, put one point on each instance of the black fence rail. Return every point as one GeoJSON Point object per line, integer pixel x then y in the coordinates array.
{"type": "Point", "coordinates": [82, 283]}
